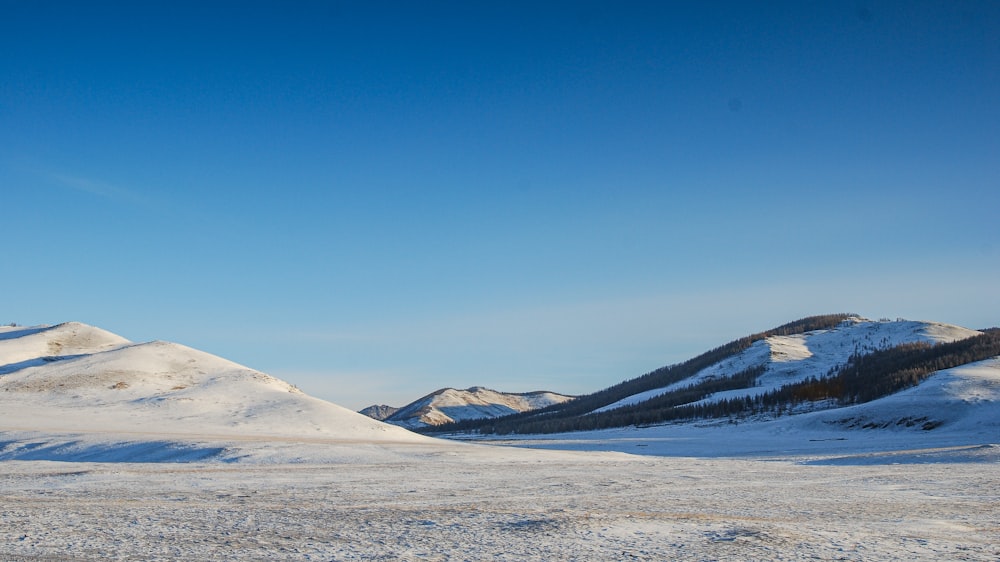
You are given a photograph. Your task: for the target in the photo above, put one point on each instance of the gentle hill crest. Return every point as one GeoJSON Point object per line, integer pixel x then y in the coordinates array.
{"type": "Point", "coordinates": [22, 346]}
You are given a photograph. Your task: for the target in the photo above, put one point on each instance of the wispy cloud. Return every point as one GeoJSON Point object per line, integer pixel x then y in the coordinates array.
{"type": "Point", "coordinates": [99, 188]}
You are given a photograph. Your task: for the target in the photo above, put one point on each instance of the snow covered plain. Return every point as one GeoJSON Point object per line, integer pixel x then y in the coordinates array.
{"type": "Point", "coordinates": [109, 471]}
{"type": "Point", "coordinates": [478, 503]}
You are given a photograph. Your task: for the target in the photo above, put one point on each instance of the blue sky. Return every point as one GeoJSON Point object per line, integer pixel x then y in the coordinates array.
{"type": "Point", "coordinates": [374, 200]}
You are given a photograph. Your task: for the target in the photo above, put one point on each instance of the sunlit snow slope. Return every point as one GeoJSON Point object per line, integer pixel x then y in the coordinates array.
{"type": "Point", "coordinates": [77, 378]}
{"type": "Point", "coordinates": [961, 399]}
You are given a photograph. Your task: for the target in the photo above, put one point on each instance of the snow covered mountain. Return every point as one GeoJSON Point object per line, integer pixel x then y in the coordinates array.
{"type": "Point", "coordinates": [77, 378]}
{"type": "Point", "coordinates": [378, 411]}
{"type": "Point", "coordinates": [450, 404]}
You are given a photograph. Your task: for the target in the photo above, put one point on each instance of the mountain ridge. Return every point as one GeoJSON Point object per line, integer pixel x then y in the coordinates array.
{"type": "Point", "coordinates": [76, 392]}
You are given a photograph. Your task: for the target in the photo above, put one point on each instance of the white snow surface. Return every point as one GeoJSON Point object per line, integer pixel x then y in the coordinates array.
{"type": "Point", "coordinates": [238, 466]}
{"type": "Point", "coordinates": [791, 359]}
{"type": "Point", "coordinates": [451, 404]}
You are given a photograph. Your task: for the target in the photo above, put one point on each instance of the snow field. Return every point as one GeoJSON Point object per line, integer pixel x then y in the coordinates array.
{"type": "Point", "coordinates": [500, 504]}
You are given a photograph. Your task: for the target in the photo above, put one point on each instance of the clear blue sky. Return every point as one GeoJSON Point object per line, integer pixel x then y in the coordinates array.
{"type": "Point", "coordinates": [374, 200]}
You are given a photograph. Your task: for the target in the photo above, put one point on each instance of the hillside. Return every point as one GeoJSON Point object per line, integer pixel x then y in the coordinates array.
{"type": "Point", "coordinates": [788, 359]}
{"type": "Point", "coordinates": [814, 363]}
{"type": "Point", "coordinates": [73, 378]}
{"type": "Point", "coordinates": [951, 417]}
{"type": "Point", "coordinates": [450, 405]}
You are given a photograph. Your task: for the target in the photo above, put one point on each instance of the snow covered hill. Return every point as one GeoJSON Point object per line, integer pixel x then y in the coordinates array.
{"type": "Point", "coordinates": [816, 363]}
{"type": "Point", "coordinates": [77, 379]}
{"type": "Point", "coordinates": [450, 404]}
{"type": "Point", "coordinates": [953, 416]}
{"type": "Point", "coordinates": [963, 399]}
{"type": "Point", "coordinates": [795, 358]}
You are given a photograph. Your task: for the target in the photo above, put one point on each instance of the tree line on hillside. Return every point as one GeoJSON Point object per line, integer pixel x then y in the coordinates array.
{"type": "Point", "coordinates": [865, 377]}
{"type": "Point", "coordinates": [659, 378]}
{"type": "Point", "coordinates": [874, 375]}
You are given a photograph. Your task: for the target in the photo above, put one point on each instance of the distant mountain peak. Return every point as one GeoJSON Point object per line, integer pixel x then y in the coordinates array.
{"type": "Point", "coordinates": [451, 404]}
{"type": "Point", "coordinates": [379, 411]}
